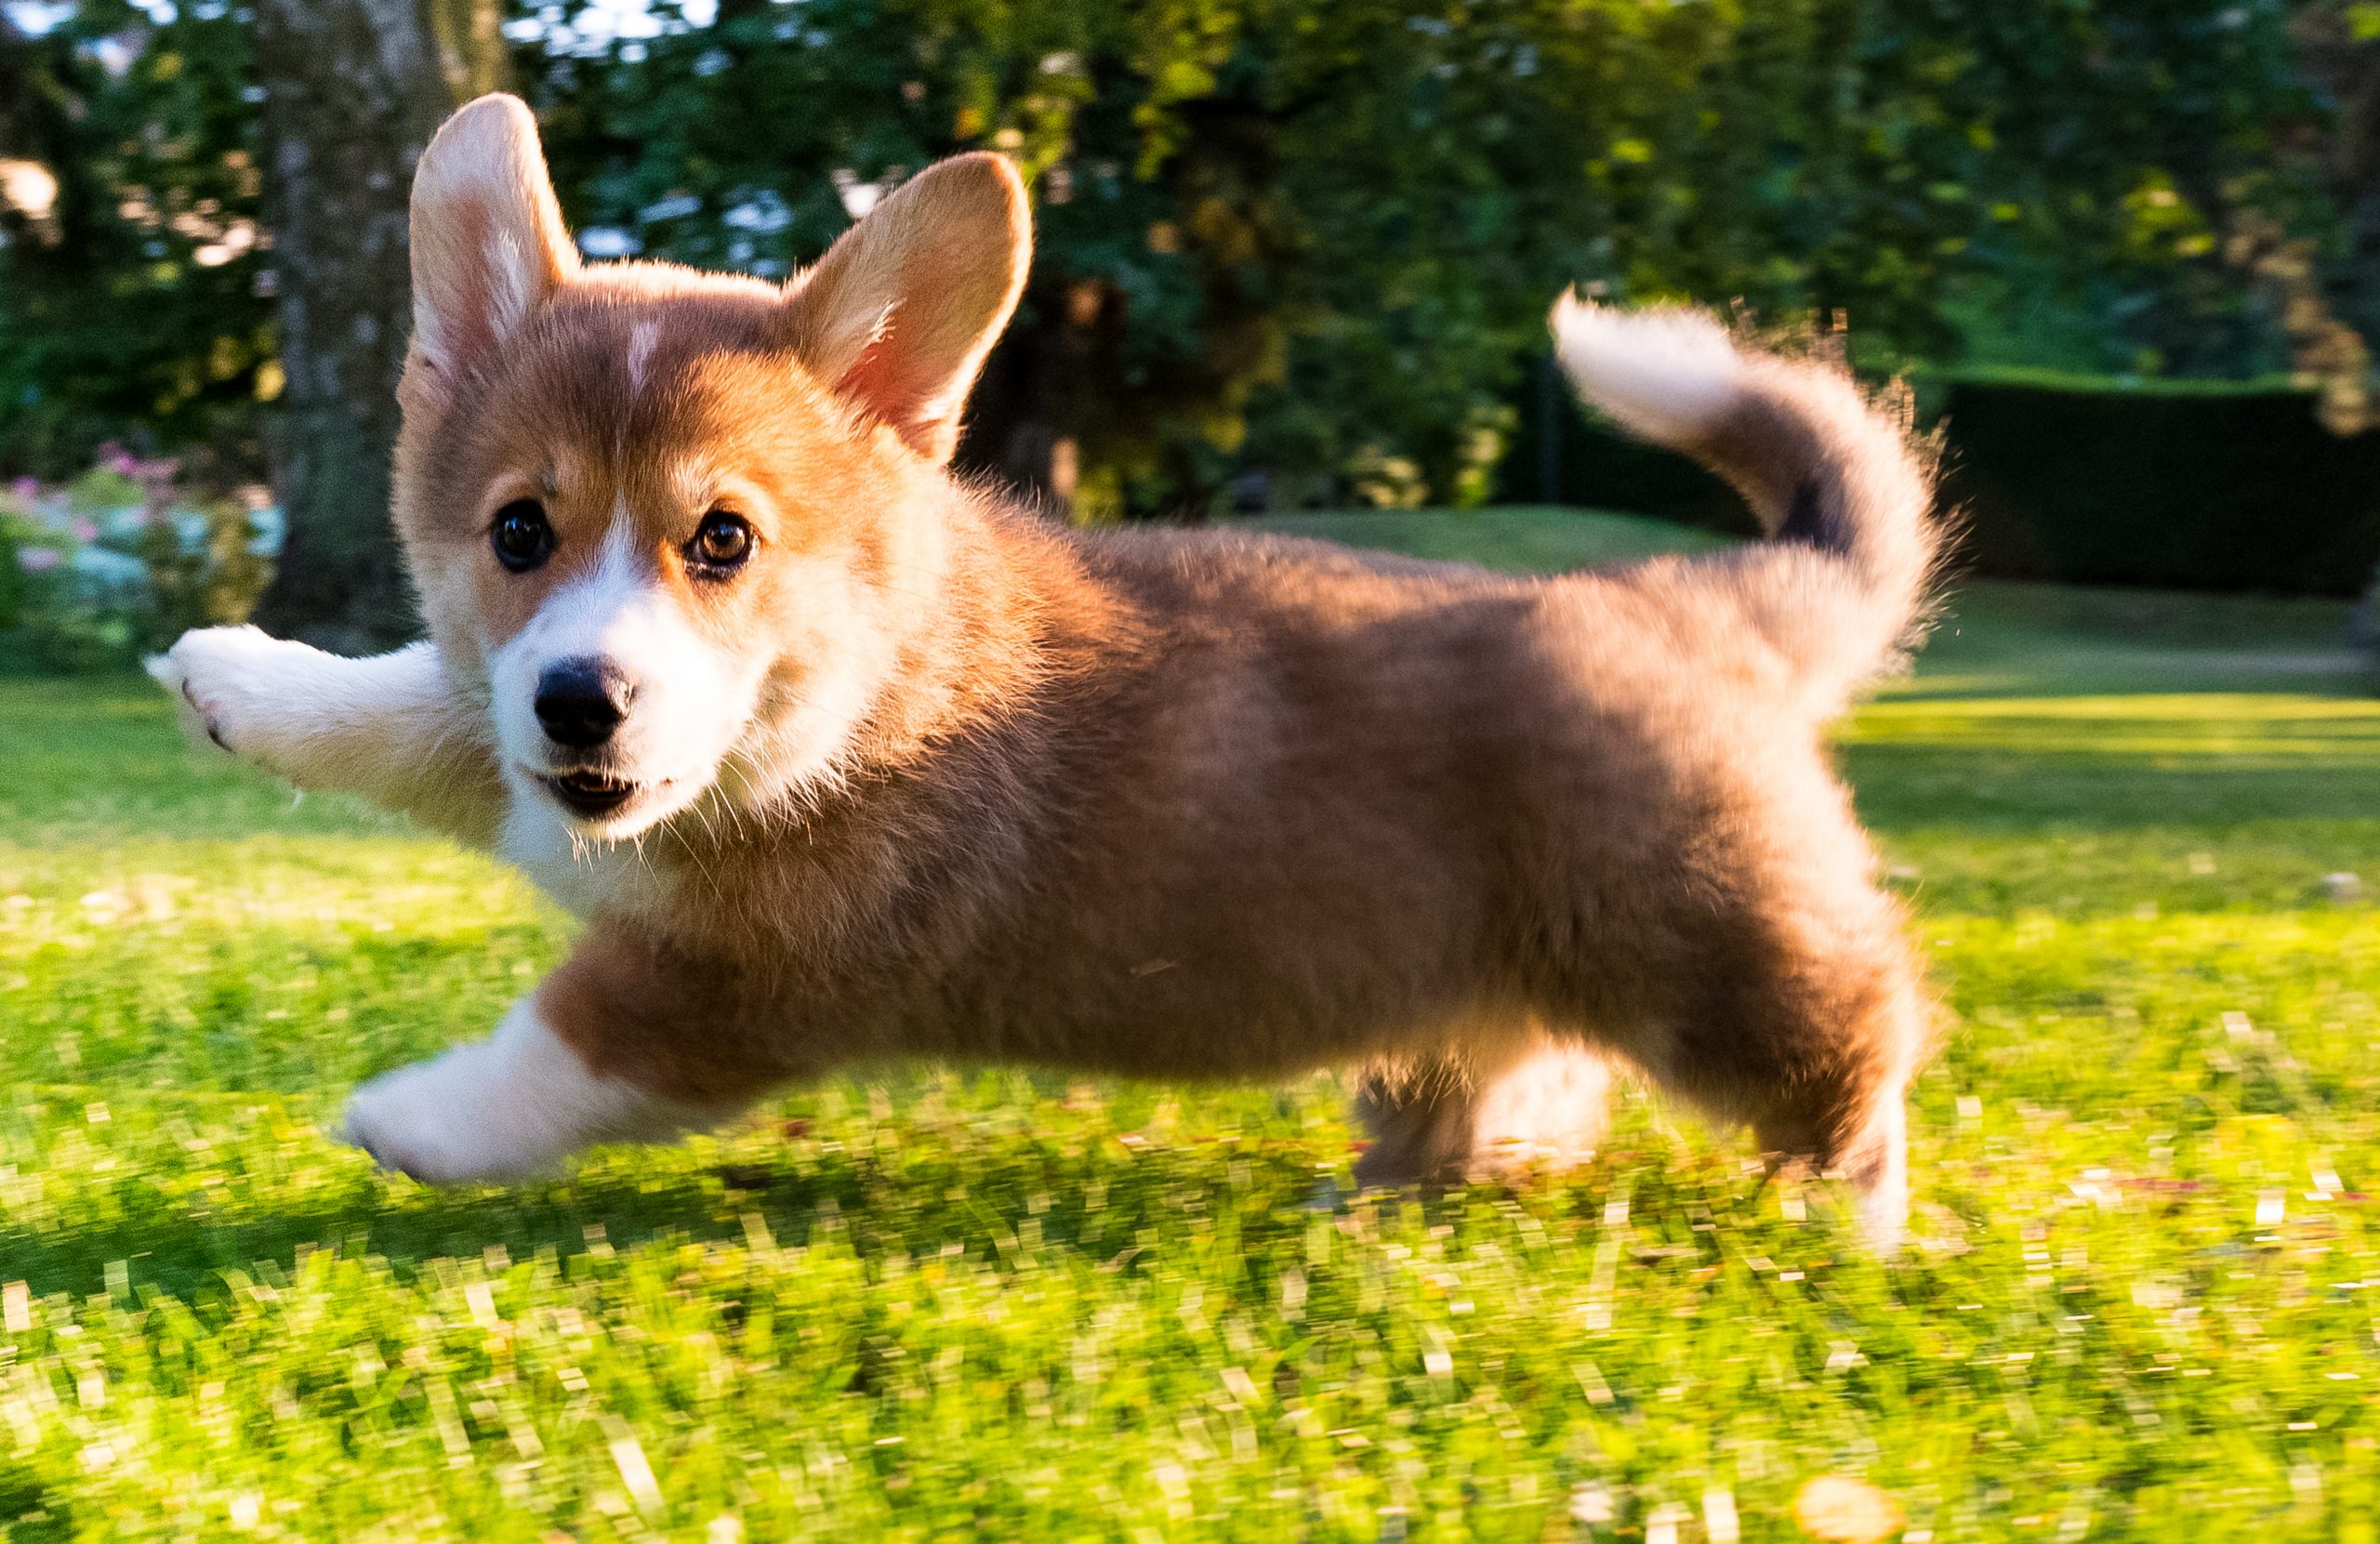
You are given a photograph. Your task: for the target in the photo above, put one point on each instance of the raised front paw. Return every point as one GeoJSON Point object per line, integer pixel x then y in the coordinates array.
{"type": "Point", "coordinates": [230, 681]}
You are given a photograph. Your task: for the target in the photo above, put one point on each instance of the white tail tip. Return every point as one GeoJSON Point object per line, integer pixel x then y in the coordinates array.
{"type": "Point", "coordinates": [1670, 375]}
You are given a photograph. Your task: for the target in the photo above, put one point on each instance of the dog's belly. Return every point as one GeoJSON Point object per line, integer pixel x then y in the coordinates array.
{"type": "Point", "coordinates": [1241, 969]}
{"type": "Point", "coordinates": [1224, 1034]}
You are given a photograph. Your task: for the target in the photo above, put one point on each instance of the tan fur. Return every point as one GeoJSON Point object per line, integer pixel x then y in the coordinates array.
{"type": "Point", "coordinates": [1181, 804]}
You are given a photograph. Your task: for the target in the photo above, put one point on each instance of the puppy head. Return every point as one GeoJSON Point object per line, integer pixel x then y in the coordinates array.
{"type": "Point", "coordinates": [681, 523]}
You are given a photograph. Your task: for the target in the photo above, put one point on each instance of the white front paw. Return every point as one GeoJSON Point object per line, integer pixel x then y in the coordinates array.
{"type": "Point", "coordinates": [227, 679]}
{"type": "Point", "coordinates": [431, 1120]}
{"type": "Point", "coordinates": [511, 1107]}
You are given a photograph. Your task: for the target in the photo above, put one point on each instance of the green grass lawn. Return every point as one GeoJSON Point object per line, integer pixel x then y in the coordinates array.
{"type": "Point", "coordinates": [954, 1304]}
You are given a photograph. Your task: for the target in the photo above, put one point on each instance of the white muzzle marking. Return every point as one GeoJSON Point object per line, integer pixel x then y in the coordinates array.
{"type": "Point", "coordinates": [687, 702]}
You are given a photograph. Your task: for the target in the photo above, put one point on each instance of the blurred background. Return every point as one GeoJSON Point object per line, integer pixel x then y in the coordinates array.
{"type": "Point", "coordinates": [1292, 256]}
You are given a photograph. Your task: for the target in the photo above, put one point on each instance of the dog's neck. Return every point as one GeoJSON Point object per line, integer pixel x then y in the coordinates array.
{"type": "Point", "coordinates": [976, 647]}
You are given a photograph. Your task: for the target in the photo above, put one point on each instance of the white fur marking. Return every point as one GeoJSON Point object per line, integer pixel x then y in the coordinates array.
{"type": "Point", "coordinates": [1670, 375]}
{"type": "Point", "coordinates": [641, 338]}
{"type": "Point", "coordinates": [508, 1107]}
{"type": "Point", "coordinates": [429, 338]}
{"type": "Point", "coordinates": [510, 285]}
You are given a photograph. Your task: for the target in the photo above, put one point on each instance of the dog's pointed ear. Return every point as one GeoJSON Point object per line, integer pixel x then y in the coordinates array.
{"type": "Point", "coordinates": [899, 313]}
{"type": "Point", "coordinates": [489, 246]}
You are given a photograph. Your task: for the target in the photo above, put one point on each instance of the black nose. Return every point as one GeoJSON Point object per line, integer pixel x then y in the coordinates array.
{"type": "Point", "coordinates": [581, 701]}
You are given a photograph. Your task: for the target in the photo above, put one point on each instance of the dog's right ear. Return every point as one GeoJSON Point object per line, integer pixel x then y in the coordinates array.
{"type": "Point", "coordinates": [489, 246]}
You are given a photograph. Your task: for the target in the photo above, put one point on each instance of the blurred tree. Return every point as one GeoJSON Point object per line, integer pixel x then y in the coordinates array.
{"type": "Point", "coordinates": [352, 91]}
{"type": "Point", "coordinates": [2328, 301]}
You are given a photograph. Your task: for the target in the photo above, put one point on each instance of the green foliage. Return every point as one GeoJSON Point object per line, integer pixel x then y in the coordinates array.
{"type": "Point", "coordinates": [1321, 239]}
{"type": "Point", "coordinates": [139, 309]}
{"type": "Point", "coordinates": [121, 562]}
{"type": "Point", "coordinates": [1317, 239]}
{"type": "Point", "coordinates": [931, 1304]}
{"type": "Point", "coordinates": [2147, 481]}
{"type": "Point", "coordinates": [2245, 490]}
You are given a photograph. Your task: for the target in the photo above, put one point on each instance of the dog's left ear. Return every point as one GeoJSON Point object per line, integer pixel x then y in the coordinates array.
{"type": "Point", "coordinates": [899, 314]}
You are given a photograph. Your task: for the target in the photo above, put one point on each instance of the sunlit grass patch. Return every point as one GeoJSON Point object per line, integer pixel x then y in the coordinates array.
{"type": "Point", "coordinates": [927, 1303]}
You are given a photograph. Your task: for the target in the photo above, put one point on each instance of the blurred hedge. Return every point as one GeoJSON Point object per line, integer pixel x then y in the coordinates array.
{"type": "Point", "coordinates": [2204, 489]}
{"type": "Point", "coordinates": [2180, 485]}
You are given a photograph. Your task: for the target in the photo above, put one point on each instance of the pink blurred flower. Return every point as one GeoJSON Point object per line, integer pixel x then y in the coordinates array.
{"type": "Point", "coordinates": [25, 487]}
{"type": "Point", "coordinates": [36, 560]}
{"type": "Point", "coordinates": [85, 532]}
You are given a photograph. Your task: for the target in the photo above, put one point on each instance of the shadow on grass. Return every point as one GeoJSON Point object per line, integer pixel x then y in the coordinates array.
{"type": "Point", "coordinates": [1997, 792]}
{"type": "Point", "coordinates": [36, 1513]}
{"type": "Point", "coordinates": [2346, 678]}
{"type": "Point", "coordinates": [1082, 1203]}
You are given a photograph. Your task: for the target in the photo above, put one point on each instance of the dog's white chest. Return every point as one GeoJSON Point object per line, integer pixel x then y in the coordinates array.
{"type": "Point", "coordinates": [582, 876]}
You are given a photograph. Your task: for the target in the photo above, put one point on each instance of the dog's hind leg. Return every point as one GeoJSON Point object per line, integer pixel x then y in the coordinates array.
{"type": "Point", "coordinates": [1503, 1105]}
{"type": "Point", "coordinates": [1816, 1059]}
{"type": "Point", "coordinates": [1856, 1129]}
{"type": "Point", "coordinates": [1547, 1110]}
{"type": "Point", "coordinates": [1418, 1110]}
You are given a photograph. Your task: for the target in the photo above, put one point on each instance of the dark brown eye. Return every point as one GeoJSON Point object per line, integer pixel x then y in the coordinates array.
{"type": "Point", "coordinates": [721, 544]}
{"type": "Point", "coordinates": [521, 536]}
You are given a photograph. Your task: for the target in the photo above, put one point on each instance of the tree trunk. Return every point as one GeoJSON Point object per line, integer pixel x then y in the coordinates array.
{"type": "Point", "coordinates": [354, 90]}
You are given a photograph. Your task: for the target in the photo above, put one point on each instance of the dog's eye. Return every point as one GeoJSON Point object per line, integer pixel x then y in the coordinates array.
{"type": "Point", "coordinates": [521, 536]}
{"type": "Point", "coordinates": [722, 542]}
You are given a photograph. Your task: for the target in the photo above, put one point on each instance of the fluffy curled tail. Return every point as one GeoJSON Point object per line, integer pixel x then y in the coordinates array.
{"type": "Point", "coordinates": [1834, 475]}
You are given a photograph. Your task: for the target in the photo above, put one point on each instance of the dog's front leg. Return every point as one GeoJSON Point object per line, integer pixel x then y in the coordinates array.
{"type": "Point", "coordinates": [510, 1107]}
{"type": "Point", "coordinates": [392, 728]}
{"type": "Point", "coordinates": [629, 1040]}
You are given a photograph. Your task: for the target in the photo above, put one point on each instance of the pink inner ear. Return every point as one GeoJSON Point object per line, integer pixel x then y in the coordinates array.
{"type": "Point", "coordinates": [466, 304]}
{"type": "Point", "coordinates": [900, 311]}
{"type": "Point", "coordinates": [895, 382]}
{"type": "Point", "coordinates": [478, 274]}
{"type": "Point", "coordinates": [912, 371]}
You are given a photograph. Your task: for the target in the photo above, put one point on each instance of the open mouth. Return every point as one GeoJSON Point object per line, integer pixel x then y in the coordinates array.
{"type": "Point", "coordinates": [589, 793]}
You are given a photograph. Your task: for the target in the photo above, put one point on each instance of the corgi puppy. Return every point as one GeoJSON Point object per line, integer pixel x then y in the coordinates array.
{"type": "Point", "coordinates": [839, 757]}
